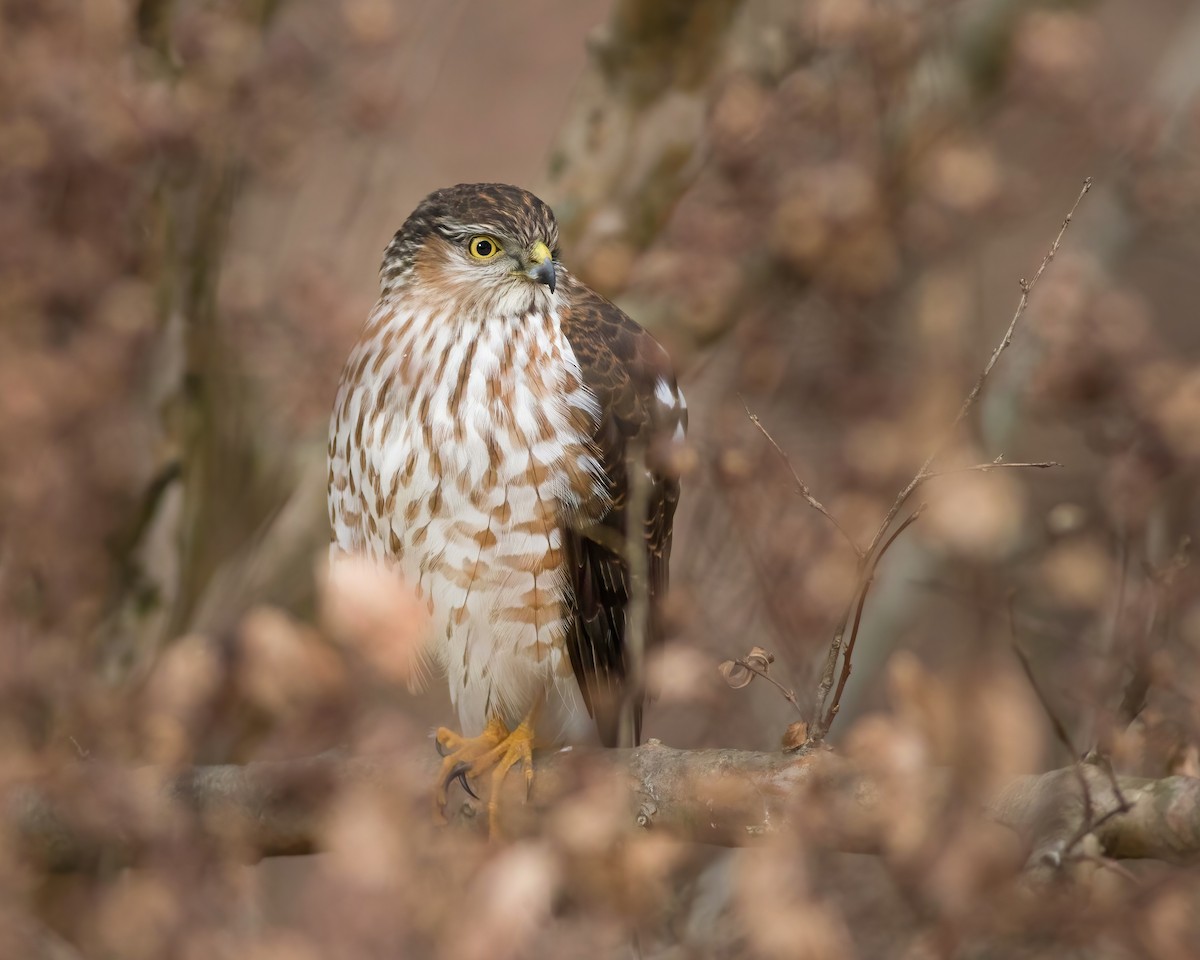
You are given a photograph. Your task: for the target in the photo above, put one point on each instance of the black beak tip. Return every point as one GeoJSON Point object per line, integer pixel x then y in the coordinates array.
{"type": "Point", "coordinates": [546, 274]}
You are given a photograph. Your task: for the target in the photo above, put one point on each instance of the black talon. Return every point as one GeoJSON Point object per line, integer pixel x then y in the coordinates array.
{"type": "Point", "coordinates": [459, 773]}
{"type": "Point", "coordinates": [442, 751]}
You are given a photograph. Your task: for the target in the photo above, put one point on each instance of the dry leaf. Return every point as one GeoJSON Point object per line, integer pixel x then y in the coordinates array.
{"type": "Point", "coordinates": [735, 674]}
{"type": "Point", "coordinates": [760, 658]}
{"type": "Point", "coordinates": [739, 673]}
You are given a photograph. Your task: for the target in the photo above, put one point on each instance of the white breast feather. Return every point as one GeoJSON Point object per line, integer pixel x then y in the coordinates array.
{"type": "Point", "coordinates": [476, 567]}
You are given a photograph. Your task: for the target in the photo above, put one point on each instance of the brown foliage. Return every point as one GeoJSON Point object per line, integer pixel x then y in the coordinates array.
{"type": "Point", "coordinates": [826, 209]}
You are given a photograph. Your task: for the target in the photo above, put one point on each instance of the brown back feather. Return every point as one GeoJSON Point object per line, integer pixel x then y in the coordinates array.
{"type": "Point", "coordinates": [621, 364]}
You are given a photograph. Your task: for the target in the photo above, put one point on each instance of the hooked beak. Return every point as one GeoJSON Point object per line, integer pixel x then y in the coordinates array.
{"type": "Point", "coordinates": [541, 266]}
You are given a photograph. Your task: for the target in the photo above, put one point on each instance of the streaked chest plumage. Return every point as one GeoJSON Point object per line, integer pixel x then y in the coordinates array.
{"type": "Point", "coordinates": [457, 450]}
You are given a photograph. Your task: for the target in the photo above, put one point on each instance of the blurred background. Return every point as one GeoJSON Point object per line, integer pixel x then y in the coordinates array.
{"type": "Point", "coordinates": [825, 210]}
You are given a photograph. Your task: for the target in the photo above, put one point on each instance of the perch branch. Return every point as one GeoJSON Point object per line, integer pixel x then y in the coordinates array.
{"type": "Point", "coordinates": [727, 797]}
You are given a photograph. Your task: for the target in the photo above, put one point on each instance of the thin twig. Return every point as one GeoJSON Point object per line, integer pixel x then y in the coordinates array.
{"type": "Point", "coordinates": [817, 725]}
{"type": "Point", "coordinates": [780, 620]}
{"type": "Point", "coordinates": [1026, 289]}
{"type": "Point", "coordinates": [1091, 822]}
{"type": "Point", "coordinates": [788, 695]}
{"type": "Point", "coordinates": [1089, 809]}
{"type": "Point", "coordinates": [802, 487]}
{"type": "Point", "coordinates": [997, 464]}
{"type": "Point", "coordinates": [1060, 731]}
{"type": "Point", "coordinates": [822, 718]}
{"type": "Point", "coordinates": [858, 611]}
{"type": "Point", "coordinates": [1101, 760]}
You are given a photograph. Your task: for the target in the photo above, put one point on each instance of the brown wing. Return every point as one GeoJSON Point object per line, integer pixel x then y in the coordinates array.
{"type": "Point", "coordinates": [641, 411]}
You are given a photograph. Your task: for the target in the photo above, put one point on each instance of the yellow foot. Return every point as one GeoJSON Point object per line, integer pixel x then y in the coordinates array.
{"type": "Point", "coordinates": [496, 749]}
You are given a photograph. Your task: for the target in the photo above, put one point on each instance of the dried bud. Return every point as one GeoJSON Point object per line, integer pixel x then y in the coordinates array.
{"type": "Point", "coordinates": [795, 736]}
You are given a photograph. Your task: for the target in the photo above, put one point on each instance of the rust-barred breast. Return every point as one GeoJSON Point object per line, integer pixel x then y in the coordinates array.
{"type": "Point", "coordinates": [485, 441]}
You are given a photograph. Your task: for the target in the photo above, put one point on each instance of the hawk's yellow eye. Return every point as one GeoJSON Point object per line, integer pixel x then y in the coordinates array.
{"type": "Point", "coordinates": [483, 248]}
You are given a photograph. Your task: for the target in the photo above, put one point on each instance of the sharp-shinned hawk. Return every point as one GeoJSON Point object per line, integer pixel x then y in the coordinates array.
{"type": "Point", "coordinates": [495, 425]}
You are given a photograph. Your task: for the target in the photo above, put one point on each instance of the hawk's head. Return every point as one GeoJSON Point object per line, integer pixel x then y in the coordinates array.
{"type": "Point", "coordinates": [490, 246]}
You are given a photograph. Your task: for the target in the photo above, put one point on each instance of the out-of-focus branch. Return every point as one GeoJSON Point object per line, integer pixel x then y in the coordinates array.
{"type": "Point", "coordinates": [727, 797]}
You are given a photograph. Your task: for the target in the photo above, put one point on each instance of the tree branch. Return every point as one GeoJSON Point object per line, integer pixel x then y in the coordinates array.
{"type": "Point", "coordinates": [822, 716]}
{"type": "Point", "coordinates": [1027, 286]}
{"type": "Point", "coordinates": [801, 487]}
{"type": "Point", "coordinates": [727, 797]}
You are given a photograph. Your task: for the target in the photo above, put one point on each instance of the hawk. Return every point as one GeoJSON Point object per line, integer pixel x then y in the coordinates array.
{"type": "Point", "coordinates": [502, 437]}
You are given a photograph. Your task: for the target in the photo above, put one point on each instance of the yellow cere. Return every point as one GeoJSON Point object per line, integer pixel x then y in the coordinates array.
{"type": "Point", "coordinates": [484, 247]}
{"type": "Point", "coordinates": [539, 254]}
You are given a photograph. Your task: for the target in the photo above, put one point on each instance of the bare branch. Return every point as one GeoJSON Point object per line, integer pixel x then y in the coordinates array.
{"type": "Point", "coordinates": [1027, 286]}
{"type": "Point", "coordinates": [1090, 822]}
{"type": "Point", "coordinates": [997, 464]}
{"type": "Point", "coordinates": [822, 718]}
{"type": "Point", "coordinates": [1089, 808]}
{"type": "Point", "coordinates": [867, 577]}
{"type": "Point", "coordinates": [801, 486]}
{"type": "Point", "coordinates": [1059, 730]}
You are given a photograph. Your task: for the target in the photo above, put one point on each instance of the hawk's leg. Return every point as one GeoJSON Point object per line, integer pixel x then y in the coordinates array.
{"type": "Point", "coordinates": [497, 749]}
